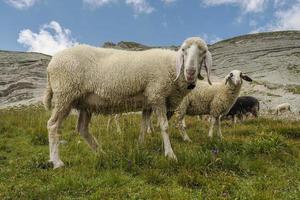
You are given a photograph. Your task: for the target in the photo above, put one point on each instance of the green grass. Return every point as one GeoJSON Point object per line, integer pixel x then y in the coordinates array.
{"type": "Point", "coordinates": [294, 90]}
{"type": "Point", "coordinates": [258, 159]}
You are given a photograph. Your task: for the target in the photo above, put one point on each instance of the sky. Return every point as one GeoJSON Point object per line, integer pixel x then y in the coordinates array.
{"type": "Point", "coordinates": [48, 26]}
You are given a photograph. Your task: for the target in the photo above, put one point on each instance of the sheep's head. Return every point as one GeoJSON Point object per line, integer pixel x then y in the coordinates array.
{"type": "Point", "coordinates": [192, 54]}
{"type": "Point", "coordinates": [236, 77]}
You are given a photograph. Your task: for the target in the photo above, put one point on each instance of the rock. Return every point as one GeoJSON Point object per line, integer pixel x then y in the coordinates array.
{"type": "Point", "coordinates": [22, 78]}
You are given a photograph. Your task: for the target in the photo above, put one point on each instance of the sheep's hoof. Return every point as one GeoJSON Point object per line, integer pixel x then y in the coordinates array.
{"type": "Point", "coordinates": [57, 164]}
{"type": "Point", "coordinates": [149, 131]}
{"type": "Point", "coordinates": [170, 155]}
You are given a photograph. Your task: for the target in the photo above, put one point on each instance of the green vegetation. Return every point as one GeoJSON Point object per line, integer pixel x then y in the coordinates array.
{"type": "Point", "coordinates": [256, 160]}
{"type": "Point", "coordinates": [295, 90]}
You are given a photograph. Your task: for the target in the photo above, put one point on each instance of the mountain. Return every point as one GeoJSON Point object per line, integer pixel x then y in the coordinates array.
{"type": "Point", "coordinates": [272, 59]}
{"type": "Point", "coordinates": [22, 77]}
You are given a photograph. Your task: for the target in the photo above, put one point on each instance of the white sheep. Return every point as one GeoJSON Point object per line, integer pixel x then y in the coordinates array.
{"type": "Point", "coordinates": [107, 81]}
{"type": "Point", "coordinates": [214, 100]}
{"type": "Point", "coordinates": [283, 108]}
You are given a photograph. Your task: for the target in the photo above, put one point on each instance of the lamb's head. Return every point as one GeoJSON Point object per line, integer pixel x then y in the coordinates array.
{"type": "Point", "coordinates": [235, 78]}
{"type": "Point", "coordinates": [192, 54]}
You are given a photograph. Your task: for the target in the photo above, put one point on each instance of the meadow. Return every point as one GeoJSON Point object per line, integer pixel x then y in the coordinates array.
{"type": "Point", "coordinates": [259, 159]}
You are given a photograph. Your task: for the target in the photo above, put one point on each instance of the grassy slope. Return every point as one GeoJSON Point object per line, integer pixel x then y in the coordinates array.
{"type": "Point", "coordinates": [257, 160]}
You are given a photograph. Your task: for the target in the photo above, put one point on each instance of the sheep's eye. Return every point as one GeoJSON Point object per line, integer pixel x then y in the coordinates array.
{"type": "Point", "coordinates": [231, 75]}
{"type": "Point", "coordinates": [183, 50]}
{"type": "Point", "coordinates": [241, 75]}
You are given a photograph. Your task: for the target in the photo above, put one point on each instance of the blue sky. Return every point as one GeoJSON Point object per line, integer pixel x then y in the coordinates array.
{"type": "Point", "coordinates": [50, 25]}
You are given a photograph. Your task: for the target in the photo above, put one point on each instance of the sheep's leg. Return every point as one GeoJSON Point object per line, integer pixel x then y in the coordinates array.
{"type": "Point", "coordinates": [53, 126]}
{"type": "Point", "coordinates": [150, 128]}
{"type": "Point", "coordinates": [180, 113]}
{"type": "Point", "coordinates": [163, 122]}
{"type": "Point", "coordinates": [83, 128]}
{"type": "Point", "coordinates": [117, 122]}
{"type": "Point", "coordinates": [149, 123]}
{"type": "Point", "coordinates": [108, 123]}
{"type": "Point", "coordinates": [234, 119]}
{"type": "Point", "coordinates": [146, 114]}
{"type": "Point", "coordinates": [211, 129]}
{"type": "Point", "coordinates": [219, 127]}
{"type": "Point", "coordinates": [182, 128]}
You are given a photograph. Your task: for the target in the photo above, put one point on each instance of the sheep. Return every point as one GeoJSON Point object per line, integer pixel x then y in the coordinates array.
{"type": "Point", "coordinates": [242, 106]}
{"type": "Point", "coordinates": [110, 81]}
{"type": "Point", "coordinates": [283, 108]}
{"type": "Point", "coordinates": [214, 100]}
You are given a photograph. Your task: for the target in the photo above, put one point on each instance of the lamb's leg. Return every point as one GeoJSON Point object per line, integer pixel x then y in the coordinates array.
{"type": "Point", "coordinates": [146, 116]}
{"type": "Point", "coordinates": [150, 128]}
{"type": "Point", "coordinates": [163, 122]}
{"type": "Point", "coordinates": [83, 129]}
{"type": "Point", "coordinates": [109, 123]}
{"type": "Point", "coordinates": [212, 124]}
{"type": "Point", "coordinates": [117, 122]}
{"type": "Point", "coordinates": [182, 127]}
{"type": "Point", "coordinates": [53, 125]}
{"type": "Point", "coordinates": [234, 119]}
{"type": "Point", "coordinates": [219, 127]}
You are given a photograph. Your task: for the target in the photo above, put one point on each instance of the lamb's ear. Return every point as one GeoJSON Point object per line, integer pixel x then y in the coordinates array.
{"type": "Point", "coordinates": [179, 62]}
{"type": "Point", "coordinates": [246, 78]}
{"type": "Point", "coordinates": [208, 65]}
{"type": "Point", "coordinates": [227, 78]}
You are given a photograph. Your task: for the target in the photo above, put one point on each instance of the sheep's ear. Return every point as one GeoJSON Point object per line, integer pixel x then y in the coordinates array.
{"type": "Point", "coordinates": [227, 79]}
{"type": "Point", "coordinates": [179, 62]}
{"type": "Point", "coordinates": [208, 65]}
{"type": "Point", "coordinates": [246, 78]}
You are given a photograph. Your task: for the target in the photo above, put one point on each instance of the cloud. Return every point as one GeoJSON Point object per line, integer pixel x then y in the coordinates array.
{"type": "Point", "coordinates": [50, 39]}
{"type": "Point", "coordinates": [285, 19]}
{"type": "Point", "coordinates": [140, 6]}
{"type": "Point", "coordinates": [246, 5]}
{"type": "Point", "coordinates": [168, 1]}
{"type": "Point", "coordinates": [98, 3]}
{"type": "Point", "coordinates": [21, 4]}
{"type": "Point", "coordinates": [210, 39]}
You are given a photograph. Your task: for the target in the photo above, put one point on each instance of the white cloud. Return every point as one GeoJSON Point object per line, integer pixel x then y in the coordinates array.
{"type": "Point", "coordinates": [50, 39]}
{"type": "Point", "coordinates": [246, 5]}
{"type": "Point", "coordinates": [140, 6]}
{"type": "Point", "coordinates": [210, 39]}
{"type": "Point", "coordinates": [21, 4]}
{"type": "Point", "coordinates": [97, 3]}
{"type": "Point", "coordinates": [287, 19]}
{"type": "Point", "coordinates": [168, 1]}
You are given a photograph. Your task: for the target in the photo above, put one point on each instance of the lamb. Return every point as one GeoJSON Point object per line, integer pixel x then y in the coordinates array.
{"type": "Point", "coordinates": [109, 81]}
{"type": "Point", "coordinates": [215, 100]}
{"type": "Point", "coordinates": [283, 108]}
{"type": "Point", "coordinates": [242, 106]}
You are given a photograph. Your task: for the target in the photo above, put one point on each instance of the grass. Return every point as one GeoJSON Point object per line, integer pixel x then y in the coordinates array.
{"type": "Point", "coordinates": [294, 90]}
{"type": "Point", "coordinates": [258, 159]}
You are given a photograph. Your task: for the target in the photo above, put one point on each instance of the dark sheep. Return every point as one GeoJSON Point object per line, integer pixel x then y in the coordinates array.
{"type": "Point", "coordinates": [242, 106]}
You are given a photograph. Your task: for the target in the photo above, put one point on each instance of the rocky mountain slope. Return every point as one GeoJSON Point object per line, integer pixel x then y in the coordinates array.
{"type": "Point", "coordinates": [22, 77]}
{"type": "Point", "coordinates": [272, 59]}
